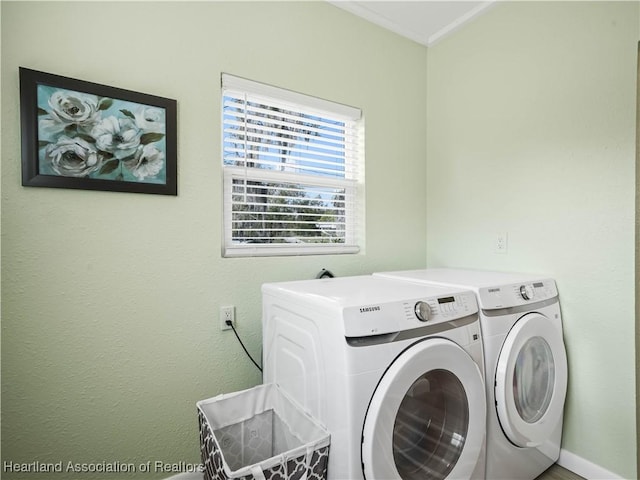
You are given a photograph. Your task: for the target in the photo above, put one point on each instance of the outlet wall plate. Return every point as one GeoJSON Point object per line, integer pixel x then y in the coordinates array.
{"type": "Point", "coordinates": [501, 245]}
{"type": "Point", "coordinates": [227, 312]}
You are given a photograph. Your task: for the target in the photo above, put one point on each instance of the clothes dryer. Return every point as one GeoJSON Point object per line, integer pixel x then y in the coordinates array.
{"type": "Point", "coordinates": [525, 365]}
{"type": "Point", "coordinates": [393, 370]}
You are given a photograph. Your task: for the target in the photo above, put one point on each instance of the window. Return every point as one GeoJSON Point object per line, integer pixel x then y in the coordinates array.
{"type": "Point", "coordinates": [291, 172]}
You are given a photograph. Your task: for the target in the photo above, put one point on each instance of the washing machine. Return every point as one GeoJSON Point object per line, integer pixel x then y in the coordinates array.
{"type": "Point", "coordinates": [525, 365]}
{"type": "Point", "coordinates": [393, 370]}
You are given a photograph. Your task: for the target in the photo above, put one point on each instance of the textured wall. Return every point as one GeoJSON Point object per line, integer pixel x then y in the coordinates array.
{"type": "Point", "coordinates": [531, 124]}
{"type": "Point", "coordinates": [637, 272]}
{"type": "Point", "coordinates": [110, 331]}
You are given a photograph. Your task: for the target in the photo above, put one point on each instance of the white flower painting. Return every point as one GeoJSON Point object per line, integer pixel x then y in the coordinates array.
{"type": "Point", "coordinates": [82, 135]}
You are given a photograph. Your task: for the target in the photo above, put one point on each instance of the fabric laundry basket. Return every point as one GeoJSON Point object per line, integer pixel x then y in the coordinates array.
{"type": "Point", "coordinates": [260, 433]}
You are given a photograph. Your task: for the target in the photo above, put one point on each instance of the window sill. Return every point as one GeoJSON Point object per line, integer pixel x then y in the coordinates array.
{"type": "Point", "coordinates": [257, 250]}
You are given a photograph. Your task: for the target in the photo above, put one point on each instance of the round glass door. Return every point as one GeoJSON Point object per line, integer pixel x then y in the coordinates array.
{"type": "Point", "coordinates": [531, 380]}
{"type": "Point", "coordinates": [426, 418]}
{"type": "Point", "coordinates": [431, 427]}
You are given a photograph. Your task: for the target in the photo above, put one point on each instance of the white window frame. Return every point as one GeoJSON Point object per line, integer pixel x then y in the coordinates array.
{"type": "Point", "coordinates": [352, 181]}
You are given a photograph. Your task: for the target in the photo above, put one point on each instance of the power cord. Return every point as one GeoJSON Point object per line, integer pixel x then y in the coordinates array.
{"type": "Point", "coordinates": [324, 273]}
{"type": "Point", "coordinates": [230, 323]}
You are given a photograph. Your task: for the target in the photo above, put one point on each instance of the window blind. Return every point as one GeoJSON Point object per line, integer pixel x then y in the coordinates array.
{"type": "Point", "coordinates": [291, 171]}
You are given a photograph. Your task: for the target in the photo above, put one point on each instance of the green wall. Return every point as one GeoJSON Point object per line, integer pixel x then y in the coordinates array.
{"type": "Point", "coordinates": [531, 131]}
{"type": "Point", "coordinates": [110, 329]}
{"type": "Point", "coordinates": [637, 252]}
{"type": "Point", "coordinates": [109, 300]}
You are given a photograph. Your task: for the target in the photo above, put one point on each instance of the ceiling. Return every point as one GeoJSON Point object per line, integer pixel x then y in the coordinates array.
{"type": "Point", "coordinates": [423, 21]}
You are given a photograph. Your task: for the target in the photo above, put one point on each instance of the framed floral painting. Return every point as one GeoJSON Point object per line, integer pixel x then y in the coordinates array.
{"type": "Point", "coordinates": [78, 134]}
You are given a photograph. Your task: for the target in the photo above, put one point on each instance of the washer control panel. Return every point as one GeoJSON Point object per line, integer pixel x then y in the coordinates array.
{"type": "Point", "coordinates": [445, 308]}
{"type": "Point", "coordinates": [375, 319]}
{"type": "Point", "coordinates": [517, 294]}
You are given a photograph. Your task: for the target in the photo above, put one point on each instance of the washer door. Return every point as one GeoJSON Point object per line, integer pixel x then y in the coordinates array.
{"type": "Point", "coordinates": [531, 380]}
{"type": "Point", "coordinates": [426, 418]}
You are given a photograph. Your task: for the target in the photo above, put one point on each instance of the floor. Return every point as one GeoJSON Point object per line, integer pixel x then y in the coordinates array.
{"type": "Point", "coordinates": [556, 472]}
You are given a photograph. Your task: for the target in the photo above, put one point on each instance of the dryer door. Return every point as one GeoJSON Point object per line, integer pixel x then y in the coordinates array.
{"type": "Point", "coordinates": [531, 380]}
{"type": "Point", "coordinates": [426, 418]}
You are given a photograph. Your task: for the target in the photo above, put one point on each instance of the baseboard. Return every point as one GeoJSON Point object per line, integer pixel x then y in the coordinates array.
{"type": "Point", "coordinates": [585, 468]}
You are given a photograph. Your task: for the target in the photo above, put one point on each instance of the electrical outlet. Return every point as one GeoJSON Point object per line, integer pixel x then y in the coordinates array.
{"type": "Point", "coordinates": [501, 243]}
{"type": "Point", "coordinates": [227, 313]}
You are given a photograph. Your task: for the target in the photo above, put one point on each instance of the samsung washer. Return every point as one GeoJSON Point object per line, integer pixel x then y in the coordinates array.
{"type": "Point", "coordinates": [525, 362]}
{"type": "Point", "coordinates": [393, 371]}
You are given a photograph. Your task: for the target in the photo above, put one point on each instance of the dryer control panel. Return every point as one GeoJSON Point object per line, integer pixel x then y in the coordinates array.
{"type": "Point", "coordinates": [382, 318]}
{"type": "Point", "coordinates": [517, 294]}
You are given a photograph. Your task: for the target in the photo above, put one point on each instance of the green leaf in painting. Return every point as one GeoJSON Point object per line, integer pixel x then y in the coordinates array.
{"type": "Point", "coordinates": [127, 113]}
{"type": "Point", "coordinates": [42, 111]}
{"type": "Point", "coordinates": [43, 143]}
{"type": "Point", "coordinates": [151, 137]}
{"type": "Point", "coordinates": [110, 166]}
{"type": "Point", "coordinates": [105, 103]}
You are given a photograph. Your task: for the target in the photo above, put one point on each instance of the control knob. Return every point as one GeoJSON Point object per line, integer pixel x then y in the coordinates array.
{"type": "Point", "coordinates": [422, 311]}
{"type": "Point", "coordinates": [527, 292]}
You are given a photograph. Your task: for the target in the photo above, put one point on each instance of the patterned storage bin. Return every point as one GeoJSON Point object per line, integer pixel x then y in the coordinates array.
{"type": "Point", "coordinates": [260, 433]}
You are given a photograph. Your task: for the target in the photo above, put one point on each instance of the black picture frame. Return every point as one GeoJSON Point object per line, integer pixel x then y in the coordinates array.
{"type": "Point", "coordinates": [84, 135]}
